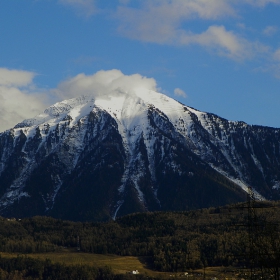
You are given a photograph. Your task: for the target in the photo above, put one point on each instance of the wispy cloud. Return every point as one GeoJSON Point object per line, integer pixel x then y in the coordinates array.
{"type": "Point", "coordinates": [162, 22]}
{"type": "Point", "coordinates": [270, 30]}
{"type": "Point", "coordinates": [276, 55]}
{"type": "Point", "coordinates": [261, 3]}
{"type": "Point", "coordinates": [82, 7]}
{"type": "Point", "coordinates": [272, 64]}
{"type": "Point", "coordinates": [222, 41]}
{"type": "Point", "coordinates": [166, 22]}
{"type": "Point", "coordinates": [85, 60]}
{"type": "Point", "coordinates": [180, 93]}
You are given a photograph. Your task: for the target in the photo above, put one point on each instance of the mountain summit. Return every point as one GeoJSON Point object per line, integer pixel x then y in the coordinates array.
{"type": "Point", "coordinates": [99, 157]}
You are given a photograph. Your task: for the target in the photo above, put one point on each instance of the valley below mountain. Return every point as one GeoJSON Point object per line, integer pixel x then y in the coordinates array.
{"type": "Point", "coordinates": [159, 245]}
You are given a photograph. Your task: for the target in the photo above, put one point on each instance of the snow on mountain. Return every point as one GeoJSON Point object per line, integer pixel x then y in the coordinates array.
{"type": "Point", "coordinates": [145, 140]}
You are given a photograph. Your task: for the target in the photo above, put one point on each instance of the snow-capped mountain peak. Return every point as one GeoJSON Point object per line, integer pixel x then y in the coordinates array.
{"type": "Point", "coordinates": [129, 151]}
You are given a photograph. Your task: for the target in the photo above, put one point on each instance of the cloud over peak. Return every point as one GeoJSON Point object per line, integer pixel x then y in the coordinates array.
{"type": "Point", "coordinates": [103, 83]}
{"type": "Point", "coordinates": [17, 104]}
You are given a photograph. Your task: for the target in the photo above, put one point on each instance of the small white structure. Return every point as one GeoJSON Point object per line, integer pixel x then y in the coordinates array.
{"type": "Point", "coordinates": [134, 272]}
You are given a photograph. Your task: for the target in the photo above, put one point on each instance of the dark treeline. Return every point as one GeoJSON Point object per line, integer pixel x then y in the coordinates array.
{"type": "Point", "coordinates": [170, 241]}
{"type": "Point", "coordinates": [30, 268]}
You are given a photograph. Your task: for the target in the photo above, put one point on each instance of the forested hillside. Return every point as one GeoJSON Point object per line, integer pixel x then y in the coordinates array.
{"type": "Point", "coordinates": [28, 268]}
{"type": "Point", "coordinates": [167, 241]}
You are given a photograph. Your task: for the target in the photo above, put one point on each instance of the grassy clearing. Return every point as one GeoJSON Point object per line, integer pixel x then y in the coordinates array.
{"type": "Point", "coordinates": [124, 264]}
{"type": "Point", "coordinates": [119, 264]}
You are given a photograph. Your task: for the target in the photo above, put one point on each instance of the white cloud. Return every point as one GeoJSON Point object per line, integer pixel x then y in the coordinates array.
{"type": "Point", "coordinates": [19, 100]}
{"type": "Point", "coordinates": [179, 92]}
{"type": "Point", "coordinates": [174, 11]}
{"type": "Point", "coordinates": [270, 30]}
{"type": "Point", "coordinates": [161, 21]}
{"type": "Point", "coordinates": [17, 97]}
{"type": "Point", "coordinates": [82, 7]}
{"type": "Point", "coordinates": [15, 77]}
{"type": "Point", "coordinates": [226, 43]}
{"type": "Point", "coordinates": [102, 83]}
{"type": "Point", "coordinates": [17, 105]}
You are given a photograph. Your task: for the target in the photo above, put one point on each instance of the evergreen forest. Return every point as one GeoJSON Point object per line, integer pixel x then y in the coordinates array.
{"type": "Point", "coordinates": [237, 235]}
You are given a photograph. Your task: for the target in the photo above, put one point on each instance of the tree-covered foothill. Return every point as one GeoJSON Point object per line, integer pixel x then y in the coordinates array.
{"type": "Point", "coordinates": [167, 241]}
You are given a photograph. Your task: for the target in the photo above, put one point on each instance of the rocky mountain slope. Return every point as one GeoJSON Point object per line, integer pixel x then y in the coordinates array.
{"type": "Point", "coordinates": [97, 158]}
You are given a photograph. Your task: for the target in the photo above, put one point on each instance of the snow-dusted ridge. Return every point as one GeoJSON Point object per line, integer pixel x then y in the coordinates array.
{"type": "Point", "coordinates": [153, 129]}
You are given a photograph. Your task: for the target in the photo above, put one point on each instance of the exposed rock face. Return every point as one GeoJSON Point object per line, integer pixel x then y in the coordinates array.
{"type": "Point", "coordinates": [92, 159]}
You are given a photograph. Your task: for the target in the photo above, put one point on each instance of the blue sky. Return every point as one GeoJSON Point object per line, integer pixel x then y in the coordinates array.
{"type": "Point", "coordinates": [218, 56]}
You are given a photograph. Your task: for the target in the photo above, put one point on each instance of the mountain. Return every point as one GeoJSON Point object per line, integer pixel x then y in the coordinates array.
{"type": "Point", "coordinates": [96, 158]}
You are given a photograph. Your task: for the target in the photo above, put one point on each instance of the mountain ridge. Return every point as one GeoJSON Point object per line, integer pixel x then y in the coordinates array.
{"type": "Point", "coordinates": [147, 142]}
